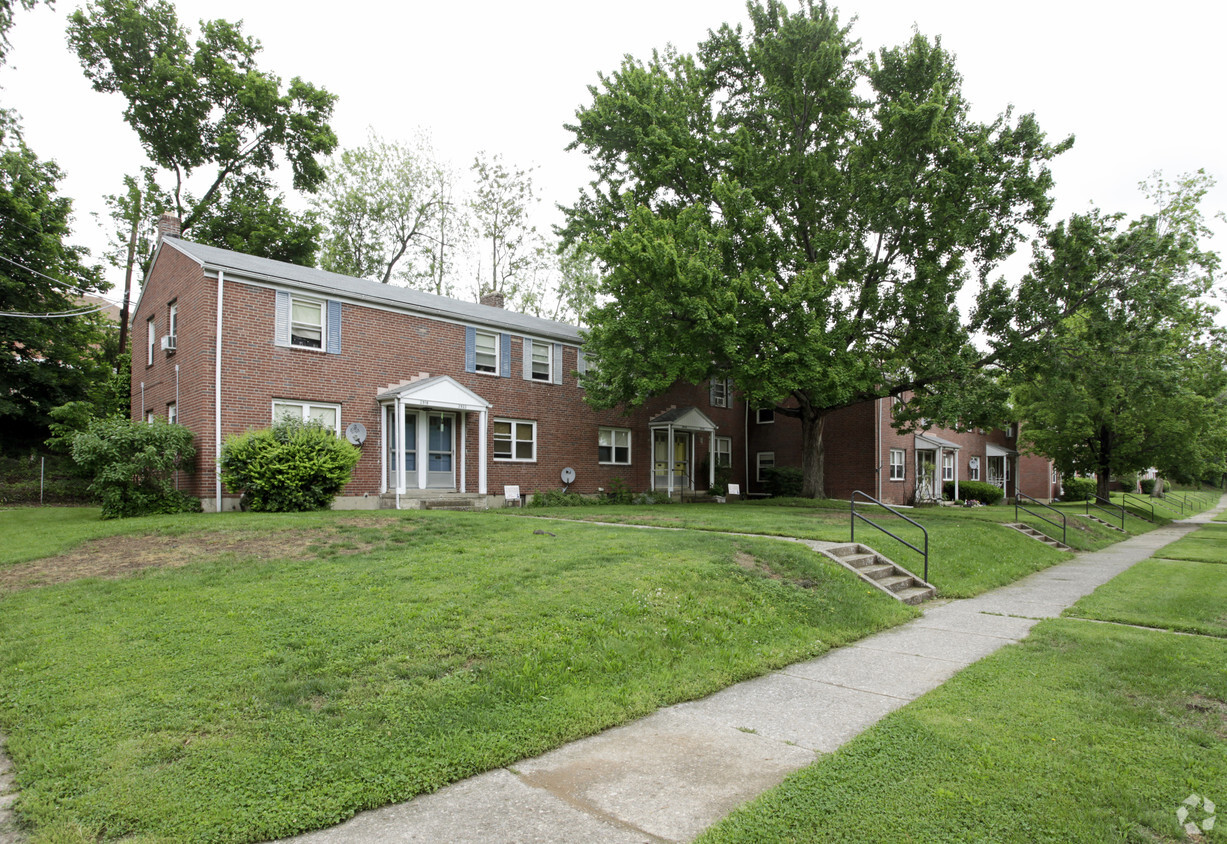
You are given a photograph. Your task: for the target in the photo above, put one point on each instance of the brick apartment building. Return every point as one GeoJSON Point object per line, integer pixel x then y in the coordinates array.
{"type": "Point", "coordinates": [453, 397]}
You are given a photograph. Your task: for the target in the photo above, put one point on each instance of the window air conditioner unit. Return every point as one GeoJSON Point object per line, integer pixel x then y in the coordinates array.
{"type": "Point", "coordinates": [168, 343]}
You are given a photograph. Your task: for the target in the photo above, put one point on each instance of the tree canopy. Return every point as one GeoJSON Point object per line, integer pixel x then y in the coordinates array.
{"type": "Point", "coordinates": [776, 210]}
{"type": "Point", "coordinates": [205, 108]}
{"type": "Point", "coordinates": [1133, 376]}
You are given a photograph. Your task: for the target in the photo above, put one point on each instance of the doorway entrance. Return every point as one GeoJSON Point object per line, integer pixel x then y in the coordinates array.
{"type": "Point", "coordinates": [672, 456]}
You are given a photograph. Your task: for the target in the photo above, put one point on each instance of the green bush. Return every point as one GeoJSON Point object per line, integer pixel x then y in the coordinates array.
{"type": "Point", "coordinates": [783, 481]}
{"type": "Point", "coordinates": [619, 492]}
{"type": "Point", "coordinates": [290, 467]}
{"type": "Point", "coordinates": [1147, 485]}
{"type": "Point", "coordinates": [133, 466]}
{"type": "Point", "coordinates": [558, 498]}
{"type": "Point", "coordinates": [981, 491]}
{"type": "Point", "coordinates": [1078, 489]}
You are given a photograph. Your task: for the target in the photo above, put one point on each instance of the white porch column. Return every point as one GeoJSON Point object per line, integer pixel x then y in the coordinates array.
{"type": "Point", "coordinates": [400, 446]}
{"type": "Point", "coordinates": [423, 431]}
{"type": "Point", "coordinates": [672, 462]}
{"type": "Point", "coordinates": [956, 476]}
{"type": "Point", "coordinates": [711, 459]}
{"type": "Point", "coordinates": [464, 418]}
{"type": "Point", "coordinates": [481, 451]}
{"type": "Point", "coordinates": [383, 449]}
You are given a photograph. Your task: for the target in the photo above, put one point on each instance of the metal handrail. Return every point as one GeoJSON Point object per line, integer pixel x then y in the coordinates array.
{"type": "Point", "coordinates": [1107, 509]}
{"type": "Point", "coordinates": [1017, 506]}
{"type": "Point", "coordinates": [1126, 496]}
{"type": "Point", "coordinates": [1163, 502]}
{"type": "Point", "coordinates": [856, 515]}
{"type": "Point", "coordinates": [1179, 499]}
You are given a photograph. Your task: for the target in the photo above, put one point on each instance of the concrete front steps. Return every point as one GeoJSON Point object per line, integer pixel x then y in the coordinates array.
{"type": "Point", "coordinates": [1116, 528]}
{"type": "Point", "coordinates": [878, 571]}
{"type": "Point", "coordinates": [1038, 535]}
{"type": "Point", "coordinates": [428, 500]}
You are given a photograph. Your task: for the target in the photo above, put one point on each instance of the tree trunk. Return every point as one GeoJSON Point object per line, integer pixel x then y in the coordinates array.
{"type": "Point", "coordinates": [1103, 472]}
{"type": "Point", "coordinates": [131, 262]}
{"type": "Point", "coordinates": [813, 454]}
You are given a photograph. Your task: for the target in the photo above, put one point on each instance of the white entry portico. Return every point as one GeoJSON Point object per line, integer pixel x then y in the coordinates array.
{"type": "Point", "coordinates": [673, 452]}
{"type": "Point", "coordinates": [424, 422]}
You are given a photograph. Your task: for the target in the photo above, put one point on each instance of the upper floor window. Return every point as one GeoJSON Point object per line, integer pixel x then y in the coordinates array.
{"type": "Point", "coordinates": [151, 342]}
{"type": "Point", "coordinates": [540, 357]}
{"type": "Point", "coordinates": [304, 322]}
{"type": "Point", "coordinates": [766, 415]}
{"type": "Point", "coordinates": [721, 392]}
{"type": "Point", "coordinates": [613, 445]}
{"type": "Point", "coordinates": [307, 323]}
{"type": "Point", "coordinates": [485, 349]}
{"type": "Point", "coordinates": [173, 328]}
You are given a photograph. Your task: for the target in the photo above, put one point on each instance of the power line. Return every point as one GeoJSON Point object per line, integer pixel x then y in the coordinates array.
{"type": "Point", "coordinates": [75, 287]}
{"type": "Point", "coordinates": [58, 315]}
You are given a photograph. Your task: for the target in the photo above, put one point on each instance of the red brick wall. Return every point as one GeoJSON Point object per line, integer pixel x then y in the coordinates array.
{"type": "Point", "coordinates": [380, 348]}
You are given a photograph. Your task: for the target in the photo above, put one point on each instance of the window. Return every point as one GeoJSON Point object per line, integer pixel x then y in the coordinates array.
{"type": "Point", "coordinates": [152, 341]}
{"type": "Point", "coordinates": [328, 415]}
{"type": "Point", "coordinates": [173, 320]}
{"type": "Point", "coordinates": [172, 413]}
{"type": "Point", "coordinates": [614, 446]}
{"type": "Point", "coordinates": [1010, 432]}
{"type": "Point", "coordinates": [149, 416]}
{"type": "Point", "coordinates": [948, 466]}
{"type": "Point", "coordinates": [485, 346]}
{"type": "Point", "coordinates": [721, 392]}
{"type": "Point", "coordinates": [724, 452]}
{"type": "Point", "coordinates": [897, 464]}
{"type": "Point", "coordinates": [306, 323]}
{"type": "Point", "coordinates": [515, 440]}
{"type": "Point", "coordinates": [766, 460]}
{"type": "Point", "coordinates": [766, 415]}
{"type": "Point", "coordinates": [973, 469]}
{"type": "Point", "coordinates": [539, 368]}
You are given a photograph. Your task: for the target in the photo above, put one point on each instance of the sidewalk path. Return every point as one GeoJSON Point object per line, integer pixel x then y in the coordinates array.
{"type": "Point", "coordinates": [667, 777]}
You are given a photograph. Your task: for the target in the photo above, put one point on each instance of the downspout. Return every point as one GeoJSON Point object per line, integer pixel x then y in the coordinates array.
{"type": "Point", "coordinates": [217, 394]}
{"type": "Point", "coordinates": [178, 410]}
{"type": "Point", "coordinates": [877, 446]}
{"type": "Point", "coordinates": [745, 442]}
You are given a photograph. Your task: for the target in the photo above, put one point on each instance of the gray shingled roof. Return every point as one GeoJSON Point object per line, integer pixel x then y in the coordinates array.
{"type": "Point", "coordinates": [361, 290]}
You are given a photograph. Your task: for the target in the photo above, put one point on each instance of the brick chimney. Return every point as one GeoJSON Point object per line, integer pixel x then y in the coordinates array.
{"type": "Point", "coordinates": [493, 299]}
{"type": "Point", "coordinates": [169, 226]}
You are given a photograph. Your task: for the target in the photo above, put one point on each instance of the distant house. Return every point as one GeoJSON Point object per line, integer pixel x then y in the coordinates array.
{"type": "Point", "coordinates": [452, 398]}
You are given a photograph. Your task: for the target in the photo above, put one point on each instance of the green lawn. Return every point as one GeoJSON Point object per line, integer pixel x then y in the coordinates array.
{"type": "Point", "coordinates": [1082, 733]}
{"type": "Point", "coordinates": [314, 665]}
{"type": "Point", "coordinates": [970, 552]}
{"type": "Point", "coordinates": [1207, 544]}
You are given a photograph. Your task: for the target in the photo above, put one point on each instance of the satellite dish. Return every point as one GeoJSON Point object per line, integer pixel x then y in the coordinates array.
{"type": "Point", "coordinates": [568, 475]}
{"type": "Point", "coordinates": [355, 432]}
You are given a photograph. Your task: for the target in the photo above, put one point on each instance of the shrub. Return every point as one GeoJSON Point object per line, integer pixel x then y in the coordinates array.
{"type": "Point", "coordinates": [653, 497]}
{"type": "Point", "coordinates": [981, 491]}
{"type": "Point", "coordinates": [133, 465]}
{"type": "Point", "coordinates": [292, 466]}
{"type": "Point", "coordinates": [1147, 485]}
{"type": "Point", "coordinates": [558, 498]}
{"type": "Point", "coordinates": [1078, 489]}
{"type": "Point", "coordinates": [619, 492]}
{"type": "Point", "coordinates": [783, 481]}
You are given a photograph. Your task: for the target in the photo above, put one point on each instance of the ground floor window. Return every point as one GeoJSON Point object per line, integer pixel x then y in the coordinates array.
{"type": "Point", "coordinates": [172, 413]}
{"type": "Point", "coordinates": [724, 452]}
{"type": "Point", "coordinates": [614, 446]}
{"type": "Point", "coordinates": [948, 466]}
{"type": "Point", "coordinates": [328, 415]}
{"type": "Point", "coordinates": [515, 439]}
{"type": "Point", "coordinates": [973, 469]}
{"type": "Point", "coordinates": [897, 464]}
{"type": "Point", "coordinates": [765, 461]}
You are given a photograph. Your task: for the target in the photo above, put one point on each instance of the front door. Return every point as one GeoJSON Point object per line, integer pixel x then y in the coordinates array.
{"type": "Point", "coordinates": [926, 476]}
{"type": "Point", "coordinates": [441, 450]}
{"type": "Point", "coordinates": [671, 457]}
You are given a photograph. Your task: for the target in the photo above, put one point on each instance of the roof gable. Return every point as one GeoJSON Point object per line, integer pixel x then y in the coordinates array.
{"type": "Point", "coordinates": [442, 392]}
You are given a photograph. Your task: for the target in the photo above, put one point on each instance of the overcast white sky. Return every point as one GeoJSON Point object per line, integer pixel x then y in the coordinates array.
{"type": "Point", "coordinates": [1140, 85]}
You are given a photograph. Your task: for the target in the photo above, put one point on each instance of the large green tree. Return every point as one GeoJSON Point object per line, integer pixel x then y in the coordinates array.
{"type": "Point", "coordinates": [205, 113]}
{"type": "Point", "coordinates": [53, 345]}
{"type": "Point", "coordinates": [1133, 375]}
{"type": "Point", "coordinates": [777, 210]}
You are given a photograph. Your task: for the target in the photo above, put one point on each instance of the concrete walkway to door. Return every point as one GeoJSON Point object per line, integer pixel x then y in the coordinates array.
{"type": "Point", "coordinates": [667, 777]}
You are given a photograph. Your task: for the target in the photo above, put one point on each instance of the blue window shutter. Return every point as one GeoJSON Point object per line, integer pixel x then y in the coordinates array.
{"type": "Point", "coordinates": [334, 327]}
{"type": "Point", "coordinates": [470, 349]}
{"type": "Point", "coordinates": [527, 345]}
{"type": "Point", "coordinates": [505, 364]}
{"type": "Point", "coordinates": [282, 337]}
{"type": "Point", "coordinates": [558, 363]}
{"type": "Point", "coordinates": [581, 367]}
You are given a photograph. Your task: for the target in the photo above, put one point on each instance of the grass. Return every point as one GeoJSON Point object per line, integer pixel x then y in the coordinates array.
{"type": "Point", "coordinates": [1207, 544]}
{"type": "Point", "coordinates": [970, 551]}
{"type": "Point", "coordinates": [1082, 733]}
{"type": "Point", "coordinates": [366, 658]}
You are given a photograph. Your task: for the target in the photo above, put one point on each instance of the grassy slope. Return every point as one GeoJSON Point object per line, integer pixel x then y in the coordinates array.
{"type": "Point", "coordinates": [237, 700]}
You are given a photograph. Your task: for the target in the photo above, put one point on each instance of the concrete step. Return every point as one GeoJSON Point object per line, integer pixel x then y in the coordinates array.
{"type": "Point", "coordinates": [877, 571]}
{"type": "Point", "coordinates": [914, 595]}
{"type": "Point", "coordinates": [1116, 528]}
{"type": "Point", "coordinates": [1038, 535]}
{"type": "Point", "coordinates": [860, 561]}
{"type": "Point", "coordinates": [897, 582]}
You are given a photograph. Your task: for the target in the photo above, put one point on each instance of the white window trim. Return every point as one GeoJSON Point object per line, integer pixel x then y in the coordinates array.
{"type": "Point", "coordinates": [513, 458]}
{"type": "Point", "coordinates": [323, 303]}
{"type": "Point", "coordinates": [306, 406]}
{"type": "Point", "coordinates": [727, 441]}
{"type": "Point", "coordinates": [172, 320]}
{"type": "Point", "coordinates": [613, 446]}
{"type": "Point", "coordinates": [758, 417]}
{"type": "Point", "coordinates": [172, 413]}
{"type": "Point", "coordinates": [901, 465]}
{"type": "Point", "coordinates": [152, 331]}
{"type": "Point", "coordinates": [720, 395]}
{"type": "Point", "coordinates": [498, 352]}
{"type": "Point", "coordinates": [758, 463]}
{"type": "Point", "coordinates": [973, 469]}
{"type": "Point", "coordinates": [532, 360]}
{"type": "Point", "coordinates": [948, 464]}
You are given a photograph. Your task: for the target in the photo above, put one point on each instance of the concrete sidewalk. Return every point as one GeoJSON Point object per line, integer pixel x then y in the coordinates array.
{"type": "Point", "coordinates": [670, 775]}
